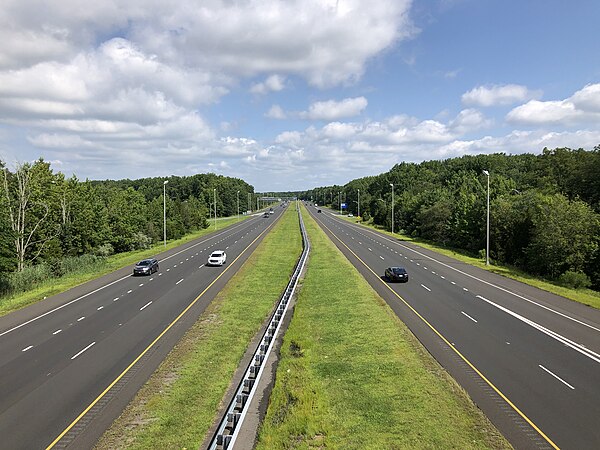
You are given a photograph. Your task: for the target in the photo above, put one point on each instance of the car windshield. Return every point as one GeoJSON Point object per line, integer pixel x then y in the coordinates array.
{"type": "Point", "coordinates": [144, 263]}
{"type": "Point", "coordinates": [217, 254]}
{"type": "Point", "coordinates": [398, 270]}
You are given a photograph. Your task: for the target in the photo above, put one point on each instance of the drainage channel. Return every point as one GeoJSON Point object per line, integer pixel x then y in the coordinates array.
{"type": "Point", "coordinates": [230, 424]}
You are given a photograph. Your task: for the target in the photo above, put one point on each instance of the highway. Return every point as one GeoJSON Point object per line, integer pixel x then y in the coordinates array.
{"type": "Point", "coordinates": [528, 358]}
{"type": "Point", "coordinates": [71, 363]}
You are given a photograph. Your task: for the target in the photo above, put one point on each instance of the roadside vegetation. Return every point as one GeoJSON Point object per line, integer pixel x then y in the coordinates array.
{"type": "Point", "coordinates": [39, 282]}
{"type": "Point", "coordinates": [544, 209]}
{"type": "Point", "coordinates": [52, 226]}
{"type": "Point", "coordinates": [352, 376]}
{"type": "Point", "coordinates": [178, 405]}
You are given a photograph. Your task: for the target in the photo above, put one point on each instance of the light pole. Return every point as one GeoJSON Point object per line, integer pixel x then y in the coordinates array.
{"type": "Point", "coordinates": [358, 214]}
{"type": "Point", "coordinates": [215, 200]}
{"type": "Point", "coordinates": [487, 239]}
{"type": "Point", "coordinates": [392, 185]}
{"type": "Point", "coordinates": [340, 201]}
{"type": "Point", "coordinates": [238, 199]}
{"type": "Point", "coordinates": [165, 211]}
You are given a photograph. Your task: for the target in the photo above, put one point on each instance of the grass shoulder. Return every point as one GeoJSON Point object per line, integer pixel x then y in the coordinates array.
{"type": "Point", "coordinates": [584, 296]}
{"type": "Point", "coordinates": [177, 406]}
{"type": "Point", "coordinates": [352, 376]}
{"type": "Point", "coordinates": [55, 286]}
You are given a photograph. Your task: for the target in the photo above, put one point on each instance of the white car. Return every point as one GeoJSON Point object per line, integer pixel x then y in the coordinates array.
{"type": "Point", "coordinates": [217, 258]}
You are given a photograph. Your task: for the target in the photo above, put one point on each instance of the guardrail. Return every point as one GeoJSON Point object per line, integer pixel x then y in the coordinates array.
{"type": "Point", "coordinates": [227, 432]}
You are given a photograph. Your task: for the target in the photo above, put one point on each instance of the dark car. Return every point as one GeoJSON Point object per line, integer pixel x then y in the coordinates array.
{"type": "Point", "coordinates": [318, 210]}
{"type": "Point", "coordinates": [396, 274]}
{"type": "Point", "coordinates": [146, 267]}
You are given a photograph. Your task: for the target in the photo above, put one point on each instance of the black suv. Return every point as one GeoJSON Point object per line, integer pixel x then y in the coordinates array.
{"type": "Point", "coordinates": [396, 274]}
{"type": "Point", "coordinates": [146, 267]}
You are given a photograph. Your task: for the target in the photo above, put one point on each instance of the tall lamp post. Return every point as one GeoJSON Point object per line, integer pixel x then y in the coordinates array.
{"type": "Point", "coordinates": [238, 199]}
{"type": "Point", "coordinates": [340, 201]}
{"type": "Point", "coordinates": [358, 214]}
{"type": "Point", "coordinates": [487, 239]}
{"type": "Point", "coordinates": [392, 185]}
{"type": "Point", "coordinates": [215, 200]}
{"type": "Point", "coordinates": [165, 211]}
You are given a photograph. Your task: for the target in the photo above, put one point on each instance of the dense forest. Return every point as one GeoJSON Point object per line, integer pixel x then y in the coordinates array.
{"type": "Point", "coordinates": [544, 209]}
{"type": "Point", "coordinates": [51, 224]}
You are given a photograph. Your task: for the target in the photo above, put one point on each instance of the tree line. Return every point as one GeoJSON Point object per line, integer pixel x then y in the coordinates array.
{"type": "Point", "coordinates": [544, 209]}
{"type": "Point", "coordinates": [47, 218]}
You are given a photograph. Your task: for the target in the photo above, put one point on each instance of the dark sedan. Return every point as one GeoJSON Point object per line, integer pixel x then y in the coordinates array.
{"type": "Point", "coordinates": [146, 267]}
{"type": "Point", "coordinates": [396, 274]}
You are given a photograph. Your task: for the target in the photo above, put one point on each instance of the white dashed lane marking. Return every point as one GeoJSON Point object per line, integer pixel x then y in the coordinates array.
{"type": "Point", "coordinates": [557, 377]}
{"type": "Point", "coordinates": [425, 287]}
{"type": "Point", "coordinates": [145, 306]}
{"type": "Point", "coordinates": [56, 332]}
{"type": "Point", "coordinates": [465, 314]}
{"type": "Point", "coordinates": [79, 353]}
{"type": "Point", "coordinates": [27, 348]}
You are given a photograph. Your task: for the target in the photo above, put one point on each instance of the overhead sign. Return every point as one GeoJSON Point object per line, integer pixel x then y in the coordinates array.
{"type": "Point", "coordinates": [343, 205]}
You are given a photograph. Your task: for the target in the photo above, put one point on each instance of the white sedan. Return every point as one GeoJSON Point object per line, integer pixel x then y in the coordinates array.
{"type": "Point", "coordinates": [217, 258]}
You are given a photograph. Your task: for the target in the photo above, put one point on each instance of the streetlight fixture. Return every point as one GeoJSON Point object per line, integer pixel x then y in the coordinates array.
{"type": "Point", "coordinates": [238, 199]}
{"type": "Point", "coordinates": [392, 185]}
{"type": "Point", "coordinates": [215, 200]}
{"type": "Point", "coordinates": [487, 240]}
{"type": "Point", "coordinates": [165, 211]}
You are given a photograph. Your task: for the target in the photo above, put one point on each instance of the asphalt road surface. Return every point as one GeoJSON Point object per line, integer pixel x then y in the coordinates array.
{"type": "Point", "coordinates": [528, 358]}
{"type": "Point", "coordinates": [71, 363]}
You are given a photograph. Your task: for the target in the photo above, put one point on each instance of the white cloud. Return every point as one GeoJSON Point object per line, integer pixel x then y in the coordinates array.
{"type": "Point", "coordinates": [469, 120]}
{"type": "Point", "coordinates": [273, 83]}
{"type": "Point", "coordinates": [333, 110]}
{"type": "Point", "coordinates": [276, 112]}
{"type": "Point", "coordinates": [498, 95]}
{"type": "Point", "coordinates": [581, 108]}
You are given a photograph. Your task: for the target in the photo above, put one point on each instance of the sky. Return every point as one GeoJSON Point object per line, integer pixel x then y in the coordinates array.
{"type": "Point", "coordinates": [292, 94]}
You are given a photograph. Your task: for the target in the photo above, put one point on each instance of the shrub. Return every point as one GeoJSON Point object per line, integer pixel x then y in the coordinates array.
{"type": "Point", "coordinates": [576, 280]}
{"type": "Point", "coordinates": [104, 250]}
{"type": "Point", "coordinates": [29, 277]}
{"type": "Point", "coordinates": [140, 241]}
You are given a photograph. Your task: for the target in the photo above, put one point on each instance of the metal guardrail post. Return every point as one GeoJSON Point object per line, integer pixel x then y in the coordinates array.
{"type": "Point", "coordinates": [230, 423]}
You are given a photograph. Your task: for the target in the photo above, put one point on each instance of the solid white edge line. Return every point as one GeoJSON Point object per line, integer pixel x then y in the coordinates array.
{"type": "Point", "coordinates": [80, 352]}
{"type": "Point", "coordinates": [557, 377]}
{"type": "Point", "coordinates": [496, 286]}
{"type": "Point", "coordinates": [61, 307]}
{"type": "Point", "coordinates": [462, 312]}
{"type": "Point", "coordinates": [575, 346]}
{"type": "Point", "coordinates": [116, 281]}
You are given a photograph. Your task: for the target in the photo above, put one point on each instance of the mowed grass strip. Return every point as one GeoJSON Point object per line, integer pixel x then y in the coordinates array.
{"type": "Point", "coordinates": [352, 376]}
{"type": "Point", "coordinates": [177, 406]}
{"type": "Point", "coordinates": [55, 286]}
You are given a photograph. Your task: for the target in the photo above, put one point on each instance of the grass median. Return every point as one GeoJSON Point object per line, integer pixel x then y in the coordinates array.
{"type": "Point", "coordinates": [352, 376]}
{"type": "Point", "coordinates": [177, 406]}
{"type": "Point", "coordinates": [55, 286]}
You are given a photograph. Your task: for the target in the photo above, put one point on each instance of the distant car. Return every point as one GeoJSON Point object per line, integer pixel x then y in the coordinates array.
{"type": "Point", "coordinates": [266, 214]}
{"type": "Point", "coordinates": [217, 258]}
{"type": "Point", "coordinates": [318, 210]}
{"type": "Point", "coordinates": [350, 215]}
{"type": "Point", "coordinates": [146, 267]}
{"type": "Point", "coordinates": [396, 274]}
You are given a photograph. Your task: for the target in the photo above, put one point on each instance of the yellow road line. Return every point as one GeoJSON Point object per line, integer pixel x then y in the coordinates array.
{"type": "Point", "coordinates": [116, 380]}
{"type": "Point", "coordinates": [483, 377]}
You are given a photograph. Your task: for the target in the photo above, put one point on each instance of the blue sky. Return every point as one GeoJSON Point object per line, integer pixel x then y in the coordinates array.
{"type": "Point", "coordinates": [294, 94]}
